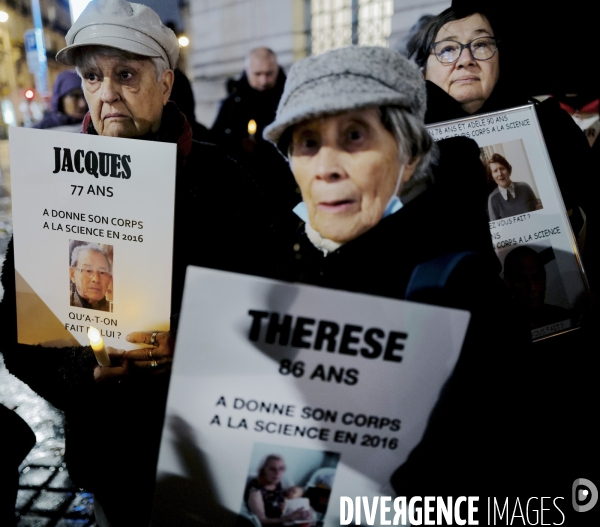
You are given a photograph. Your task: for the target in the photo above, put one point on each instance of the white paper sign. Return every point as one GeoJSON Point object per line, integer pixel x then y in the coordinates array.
{"type": "Point", "coordinates": [529, 225]}
{"type": "Point", "coordinates": [338, 385]}
{"type": "Point", "coordinates": [85, 208]}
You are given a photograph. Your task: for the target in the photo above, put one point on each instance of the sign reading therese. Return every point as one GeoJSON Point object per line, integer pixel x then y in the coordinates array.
{"type": "Point", "coordinates": [325, 391]}
{"type": "Point", "coordinates": [93, 235]}
{"type": "Point", "coordinates": [529, 226]}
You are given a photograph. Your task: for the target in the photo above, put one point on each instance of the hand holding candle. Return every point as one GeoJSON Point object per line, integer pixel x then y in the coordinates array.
{"type": "Point", "coordinates": [97, 344]}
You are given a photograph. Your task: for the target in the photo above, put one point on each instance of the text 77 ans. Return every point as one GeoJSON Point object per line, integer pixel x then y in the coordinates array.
{"type": "Point", "coordinates": [95, 190]}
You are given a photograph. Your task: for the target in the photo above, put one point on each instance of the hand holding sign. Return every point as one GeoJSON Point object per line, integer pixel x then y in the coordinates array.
{"type": "Point", "coordinates": [157, 357]}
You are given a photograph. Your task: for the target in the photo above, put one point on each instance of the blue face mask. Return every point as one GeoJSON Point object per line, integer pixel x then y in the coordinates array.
{"type": "Point", "coordinates": [394, 204]}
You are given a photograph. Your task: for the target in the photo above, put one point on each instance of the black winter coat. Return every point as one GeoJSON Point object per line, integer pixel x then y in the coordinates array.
{"type": "Point", "coordinates": [556, 371]}
{"type": "Point", "coordinates": [257, 156]}
{"type": "Point", "coordinates": [464, 426]}
{"type": "Point", "coordinates": [242, 104]}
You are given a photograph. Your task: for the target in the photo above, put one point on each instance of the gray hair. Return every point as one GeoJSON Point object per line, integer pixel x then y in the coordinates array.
{"type": "Point", "coordinates": [412, 138]}
{"type": "Point", "coordinates": [89, 247]}
{"type": "Point", "coordinates": [85, 58]}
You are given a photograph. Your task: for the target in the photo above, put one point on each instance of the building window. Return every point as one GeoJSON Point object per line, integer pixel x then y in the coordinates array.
{"type": "Point", "coordinates": [337, 23]}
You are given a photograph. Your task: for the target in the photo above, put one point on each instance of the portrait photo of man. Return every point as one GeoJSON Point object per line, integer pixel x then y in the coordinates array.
{"type": "Point", "coordinates": [90, 274]}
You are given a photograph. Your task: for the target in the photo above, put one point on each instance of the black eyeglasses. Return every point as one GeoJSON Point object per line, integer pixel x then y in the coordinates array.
{"type": "Point", "coordinates": [449, 51]}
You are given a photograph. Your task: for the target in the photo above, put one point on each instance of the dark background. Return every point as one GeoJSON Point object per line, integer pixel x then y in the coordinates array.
{"type": "Point", "coordinates": [548, 47]}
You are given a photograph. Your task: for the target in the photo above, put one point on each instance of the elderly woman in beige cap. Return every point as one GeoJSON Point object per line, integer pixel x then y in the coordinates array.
{"type": "Point", "coordinates": [125, 57]}
{"type": "Point", "coordinates": [351, 123]}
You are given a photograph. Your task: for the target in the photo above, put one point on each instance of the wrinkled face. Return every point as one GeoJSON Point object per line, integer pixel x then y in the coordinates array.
{"type": "Point", "coordinates": [124, 96]}
{"type": "Point", "coordinates": [467, 80]}
{"type": "Point", "coordinates": [500, 174]}
{"type": "Point", "coordinates": [262, 73]}
{"type": "Point", "coordinates": [91, 275]}
{"type": "Point", "coordinates": [74, 104]}
{"type": "Point", "coordinates": [528, 285]}
{"type": "Point", "coordinates": [273, 471]}
{"type": "Point", "coordinates": [347, 167]}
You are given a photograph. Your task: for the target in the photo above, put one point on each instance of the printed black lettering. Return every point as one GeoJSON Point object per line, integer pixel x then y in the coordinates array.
{"type": "Point", "coordinates": [282, 329]}
{"type": "Point", "coordinates": [125, 160]}
{"type": "Point", "coordinates": [376, 347]}
{"type": "Point", "coordinates": [257, 316]}
{"type": "Point", "coordinates": [300, 331]}
{"type": "Point", "coordinates": [326, 331]}
{"type": "Point", "coordinates": [115, 165]}
{"type": "Point", "coordinates": [77, 161]}
{"type": "Point", "coordinates": [67, 165]}
{"type": "Point", "coordinates": [104, 163]}
{"type": "Point", "coordinates": [91, 163]}
{"type": "Point", "coordinates": [393, 345]}
{"type": "Point", "coordinates": [56, 160]}
{"type": "Point", "coordinates": [348, 338]}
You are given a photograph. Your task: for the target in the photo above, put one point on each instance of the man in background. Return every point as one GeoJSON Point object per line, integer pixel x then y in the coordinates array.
{"type": "Point", "coordinates": [250, 106]}
{"type": "Point", "coordinates": [254, 97]}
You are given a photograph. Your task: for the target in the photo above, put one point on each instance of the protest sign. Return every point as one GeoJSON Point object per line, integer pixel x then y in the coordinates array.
{"type": "Point", "coordinates": [529, 225]}
{"type": "Point", "coordinates": [336, 386]}
{"type": "Point", "coordinates": [93, 235]}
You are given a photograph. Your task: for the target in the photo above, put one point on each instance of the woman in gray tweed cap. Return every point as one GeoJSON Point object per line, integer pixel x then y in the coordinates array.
{"type": "Point", "coordinates": [351, 123]}
{"type": "Point", "coordinates": [367, 105]}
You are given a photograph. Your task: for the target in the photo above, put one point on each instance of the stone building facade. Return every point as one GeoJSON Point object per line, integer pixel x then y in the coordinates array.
{"type": "Point", "coordinates": [223, 31]}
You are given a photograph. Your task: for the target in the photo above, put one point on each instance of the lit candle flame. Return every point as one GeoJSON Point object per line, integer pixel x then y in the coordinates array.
{"type": "Point", "coordinates": [93, 335]}
{"type": "Point", "coordinates": [252, 127]}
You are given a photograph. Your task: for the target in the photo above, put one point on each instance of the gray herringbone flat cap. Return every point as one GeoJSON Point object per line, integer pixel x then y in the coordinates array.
{"type": "Point", "coordinates": [347, 79]}
{"type": "Point", "coordinates": [123, 25]}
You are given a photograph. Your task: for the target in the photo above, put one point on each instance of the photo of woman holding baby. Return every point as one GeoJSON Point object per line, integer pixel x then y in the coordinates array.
{"type": "Point", "coordinates": [265, 495]}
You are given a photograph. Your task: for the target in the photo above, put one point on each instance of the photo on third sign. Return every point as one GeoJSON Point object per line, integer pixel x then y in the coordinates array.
{"type": "Point", "coordinates": [288, 482]}
{"type": "Point", "coordinates": [533, 278]}
{"type": "Point", "coordinates": [513, 190]}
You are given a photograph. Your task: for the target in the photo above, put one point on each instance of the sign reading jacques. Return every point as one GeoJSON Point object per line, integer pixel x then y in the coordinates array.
{"type": "Point", "coordinates": [331, 388]}
{"type": "Point", "coordinates": [529, 226]}
{"type": "Point", "coordinates": [93, 235]}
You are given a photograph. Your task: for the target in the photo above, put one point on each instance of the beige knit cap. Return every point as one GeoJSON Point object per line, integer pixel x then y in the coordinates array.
{"type": "Point", "coordinates": [123, 25]}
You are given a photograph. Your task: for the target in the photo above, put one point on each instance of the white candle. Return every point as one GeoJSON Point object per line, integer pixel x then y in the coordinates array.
{"type": "Point", "coordinates": [97, 344]}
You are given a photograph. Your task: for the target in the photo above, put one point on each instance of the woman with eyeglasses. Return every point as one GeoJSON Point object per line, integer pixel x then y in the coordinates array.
{"type": "Point", "coordinates": [459, 54]}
